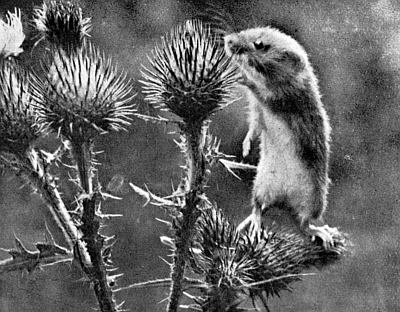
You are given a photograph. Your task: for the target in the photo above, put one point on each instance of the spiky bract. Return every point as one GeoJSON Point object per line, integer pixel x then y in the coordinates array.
{"type": "Point", "coordinates": [11, 35]}
{"type": "Point", "coordinates": [84, 94]}
{"type": "Point", "coordinates": [239, 265]}
{"type": "Point", "coordinates": [62, 24]}
{"type": "Point", "coordinates": [190, 75]}
{"type": "Point", "coordinates": [18, 122]}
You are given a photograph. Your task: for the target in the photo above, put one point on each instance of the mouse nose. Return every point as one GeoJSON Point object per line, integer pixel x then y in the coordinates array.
{"type": "Point", "coordinates": [234, 45]}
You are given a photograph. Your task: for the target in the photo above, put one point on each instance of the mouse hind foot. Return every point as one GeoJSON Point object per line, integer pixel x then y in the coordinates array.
{"type": "Point", "coordinates": [252, 225]}
{"type": "Point", "coordinates": [324, 233]}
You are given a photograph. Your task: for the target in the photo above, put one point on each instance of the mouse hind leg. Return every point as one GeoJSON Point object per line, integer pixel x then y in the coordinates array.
{"type": "Point", "coordinates": [309, 217]}
{"type": "Point", "coordinates": [252, 222]}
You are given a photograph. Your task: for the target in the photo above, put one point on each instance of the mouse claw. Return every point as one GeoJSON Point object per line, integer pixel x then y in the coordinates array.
{"type": "Point", "coordinates": [325, 233]}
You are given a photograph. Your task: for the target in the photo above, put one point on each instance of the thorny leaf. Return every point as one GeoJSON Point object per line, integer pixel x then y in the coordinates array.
{"type": "Point", "coordinates": [48, 253]}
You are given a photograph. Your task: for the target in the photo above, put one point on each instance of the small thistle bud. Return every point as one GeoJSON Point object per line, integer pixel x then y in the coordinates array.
{"type": "Point", "coordinates": [61, 23]}
{"type": "Point", "coordinates": [190, 76]}
{"type": "Point", "coordinates": [84, 94]}
{"type": "Point", "coordinates": [18, 122]}
{"type": "Point", "coordinates": [11, 35]}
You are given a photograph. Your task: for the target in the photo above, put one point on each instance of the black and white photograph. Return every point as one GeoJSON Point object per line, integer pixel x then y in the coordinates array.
{"type": "Point", "coordinates": [211, 156]}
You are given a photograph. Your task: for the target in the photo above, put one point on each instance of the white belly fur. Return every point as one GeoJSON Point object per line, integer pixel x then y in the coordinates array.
{"type": "Point", "coordinates": [280, 173]}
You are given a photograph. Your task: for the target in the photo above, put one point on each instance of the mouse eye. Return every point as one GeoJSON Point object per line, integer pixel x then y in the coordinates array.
{"type": "Point", "coordinates": [259, 45]}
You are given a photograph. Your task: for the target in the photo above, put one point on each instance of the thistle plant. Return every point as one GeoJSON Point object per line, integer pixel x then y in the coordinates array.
{"type": "Point", "coordinates": [192, 78]}
{"type": "Point", "coordinates": [85, 96]}
{"type": "Point", "coordinates": [19, 130]}
{"type": "Point", "coordinates": [79, 96]}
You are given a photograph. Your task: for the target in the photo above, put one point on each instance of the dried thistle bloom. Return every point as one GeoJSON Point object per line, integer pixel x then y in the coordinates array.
{"type": "Point", "coordinates": [236, 265]}
{"type": "Point", "coordinates": [62, 24]}
{"type": "Point", "coordinates": [84, 94]}
{"type": "Point", "coordinates": [11, 35]}
{"type": "Point", "coordinates": [18, 122]}
{"type": "Point", "coordinates": [190, 76]}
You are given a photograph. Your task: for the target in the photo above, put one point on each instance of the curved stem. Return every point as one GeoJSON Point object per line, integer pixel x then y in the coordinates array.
{"type": "Point", "coordinates": [33, 168]}
{"type": "Point", "coordinates": [35, 172]}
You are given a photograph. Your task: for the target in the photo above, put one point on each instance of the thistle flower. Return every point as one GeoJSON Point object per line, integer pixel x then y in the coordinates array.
{"type": "Point", "coordinates": [11, 35]}
{"type": "Point", "coordinates": [84, 94]}
{"type": "Point", "coordinates": [236, 265]}
{"type": "Point", "coordinates": [190, 76]}
{"type": "Point", "coordinates": [62, 24]}
{"type": "Point", "coordinates": [18, 122]}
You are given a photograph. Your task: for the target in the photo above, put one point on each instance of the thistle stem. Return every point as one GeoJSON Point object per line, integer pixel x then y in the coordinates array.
{"type": "Point", "coordinates": [82, 151]}
{"type": "Point", "coordinates": [195, 156]}
{"type": "Point", "coordinates": [196, 163]}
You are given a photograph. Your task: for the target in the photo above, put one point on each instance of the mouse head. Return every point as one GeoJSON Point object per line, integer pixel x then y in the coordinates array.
{"type": "Point", "coordinates": [267, 54]}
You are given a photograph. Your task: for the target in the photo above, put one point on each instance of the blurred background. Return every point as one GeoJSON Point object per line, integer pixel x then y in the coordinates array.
{"type": "Point", "coordinates": [355, 49]}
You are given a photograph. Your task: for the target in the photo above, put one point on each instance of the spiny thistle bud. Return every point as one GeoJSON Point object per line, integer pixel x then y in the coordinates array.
{"type": "Point", "coordinates": [190, 76]}
{"type": "Point", "coordinates": [18, 121]}
{"type": "Point", "coordinates": [61, 23]}
{"type": "Point", "coordinates": [236, 264]}
{"type": "Point", "coordinates": [11, 35]}
{"type": "Point", "coordinates": [84, 94]}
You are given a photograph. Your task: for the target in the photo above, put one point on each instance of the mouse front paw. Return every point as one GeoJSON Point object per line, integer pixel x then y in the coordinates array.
{"type": "Point", "coordinates": [246, 145]}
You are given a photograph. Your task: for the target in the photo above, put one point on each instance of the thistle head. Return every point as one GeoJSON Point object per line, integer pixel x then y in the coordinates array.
{"type": "Point", "coordinates": [61, 23]}
{"type": "Point", "coordinates": [11, 35]}
{"type": "Point", "coordinates": [190, 75]}
{"type": "Point", "coordinates": [18, 122]}
{"type": "Point", "coordinates": [84, 94]}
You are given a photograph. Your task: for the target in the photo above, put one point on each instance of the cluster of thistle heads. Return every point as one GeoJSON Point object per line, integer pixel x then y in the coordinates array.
{"type": "Point", "coordinates": [240, 265]}
{"type": "Point", "coordinates": [79, 93]}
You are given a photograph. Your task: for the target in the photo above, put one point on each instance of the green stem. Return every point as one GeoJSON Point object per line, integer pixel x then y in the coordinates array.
{"type": "Point", "coordinates": [194, 134]}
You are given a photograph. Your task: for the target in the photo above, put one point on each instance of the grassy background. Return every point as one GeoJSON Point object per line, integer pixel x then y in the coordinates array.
{"type": "Point", "coordinates": [355, 49]}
